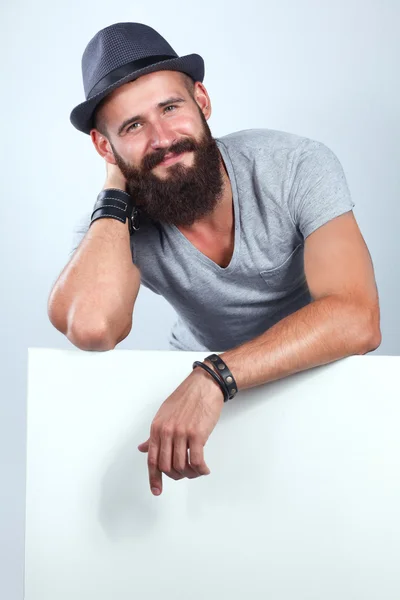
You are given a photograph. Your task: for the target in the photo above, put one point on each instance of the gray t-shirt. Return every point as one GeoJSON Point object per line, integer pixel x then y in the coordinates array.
{"type": "Point", "coordinates": [284, 187]}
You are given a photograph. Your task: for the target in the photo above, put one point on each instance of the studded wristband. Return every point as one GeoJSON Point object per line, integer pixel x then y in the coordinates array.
{"type": "Point", "coordinates": [214, 375]}
{"type": "Point", "coordinates": [225, 374]}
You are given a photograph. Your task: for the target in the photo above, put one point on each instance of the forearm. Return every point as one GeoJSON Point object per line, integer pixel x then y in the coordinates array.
{"type": "Point", "coordinates": [321, 332]}
{"type": "Point", "coordinates": [93, 299]}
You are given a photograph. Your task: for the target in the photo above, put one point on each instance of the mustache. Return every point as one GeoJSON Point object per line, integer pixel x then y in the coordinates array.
{"type": "Point", "coordinates": [154, 159]}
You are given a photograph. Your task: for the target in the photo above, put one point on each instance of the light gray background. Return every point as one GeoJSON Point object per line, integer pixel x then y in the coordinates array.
{"type": "Point", "coordinates": [324, 70]}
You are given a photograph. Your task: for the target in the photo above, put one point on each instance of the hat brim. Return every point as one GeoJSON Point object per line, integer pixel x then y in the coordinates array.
{"type": "Point", "coordinates": [191, 64]}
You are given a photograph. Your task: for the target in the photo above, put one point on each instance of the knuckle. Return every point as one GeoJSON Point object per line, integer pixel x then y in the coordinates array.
{"type": "Point", "coordinates": [196, 437]}
{"type": "Point", "coordinates": [166, 431]}
{"type": "Point", "coordinates": [180, 467]}
{"type": "Point", "coordinates": [152, 461]}
{"type": "Point", "coordinates": [162, 466]}
{"type": "Point", "coordinates": [180, 432]}
{"type": "Point", "coordinates": [154, 430]}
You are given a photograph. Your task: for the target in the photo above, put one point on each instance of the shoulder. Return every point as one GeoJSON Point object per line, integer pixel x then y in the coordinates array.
{"type": "Point", "coordinates": [268, 152]}
{"type": "Point", "coordinates": [271, 148]}
{"type": "Point", "coordinates": [264, 139]}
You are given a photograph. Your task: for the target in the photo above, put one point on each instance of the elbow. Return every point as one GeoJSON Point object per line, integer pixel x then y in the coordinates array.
{"type": "Point", "coordinates": [56, 314]}
{"type": "Point", "coordinates": [98, 340]}
{"type": "Point", "coordinates": [371, 334]}
{"type": "Point", "coordinates": [78, 331]}
{"type": "Point", "coordinates": [374, 341]}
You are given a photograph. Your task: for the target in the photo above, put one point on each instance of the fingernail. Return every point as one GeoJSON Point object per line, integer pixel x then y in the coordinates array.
{"type": "Point", "coordinates": [155, 491]}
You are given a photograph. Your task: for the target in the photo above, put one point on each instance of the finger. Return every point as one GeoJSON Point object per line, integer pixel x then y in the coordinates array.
{"type": "Point", "coordinates": [167, 456]}
{"type": "Point", "coordinates": [175, 475]}
{"type": "Point", "coordinates": [180, 446]}
{"type": "Point", "coordinates": [155, 476]}
{"type": "Point", "coordinates": [180, 458]}
{"type": "Point", "coordinates": [196, 459]}
{"type": "Point", "coordinates": [144, 447]}
{"type": "Point", "coordinates": [188, 473]}
{"type": "Point", "coordinates": [165, 451]}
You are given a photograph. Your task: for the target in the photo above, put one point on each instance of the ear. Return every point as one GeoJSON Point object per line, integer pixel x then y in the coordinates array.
{"type": "Point", "coordinates": [202, 99]}
{"type": "Point", "coordinates": [103, 146]}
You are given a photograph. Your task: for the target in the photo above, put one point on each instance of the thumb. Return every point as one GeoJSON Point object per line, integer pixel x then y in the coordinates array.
{"type": "Point", "coordinates": [144, 447]}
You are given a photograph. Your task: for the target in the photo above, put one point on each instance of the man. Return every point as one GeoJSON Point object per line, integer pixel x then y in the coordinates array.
{"type": "Point", "coordinates": [250, 237]}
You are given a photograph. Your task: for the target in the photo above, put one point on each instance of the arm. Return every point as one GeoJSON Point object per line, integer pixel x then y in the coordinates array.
{"type": "Point", "coordinates": [343, 319]}
{"type": "Point", "coordinates": [92, 300]}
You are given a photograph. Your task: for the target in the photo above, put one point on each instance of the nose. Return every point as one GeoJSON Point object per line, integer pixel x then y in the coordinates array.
{"type": "Point", "coordinates": [161, 136]}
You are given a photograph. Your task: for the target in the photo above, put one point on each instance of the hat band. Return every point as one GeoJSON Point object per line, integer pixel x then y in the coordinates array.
{"type": "Point", "coordinates": [130, 67]}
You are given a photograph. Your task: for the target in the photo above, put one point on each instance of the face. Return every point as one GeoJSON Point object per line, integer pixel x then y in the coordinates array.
{"type": "Point", "coordinates": [171, 162]}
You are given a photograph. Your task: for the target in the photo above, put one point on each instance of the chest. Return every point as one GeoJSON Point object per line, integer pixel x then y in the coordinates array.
{"type": "Point", "coordinates": [219, 249]}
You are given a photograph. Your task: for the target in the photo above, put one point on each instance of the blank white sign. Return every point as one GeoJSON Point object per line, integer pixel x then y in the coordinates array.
{"type": "Point", "coordinates": [302, 502]}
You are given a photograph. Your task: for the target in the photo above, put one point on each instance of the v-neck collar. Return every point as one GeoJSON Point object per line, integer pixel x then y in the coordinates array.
{"type": "Point", "coordinates": [236, 218]}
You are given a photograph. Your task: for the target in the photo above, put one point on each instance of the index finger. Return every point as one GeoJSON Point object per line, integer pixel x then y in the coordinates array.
{"type": "Point", "coordinates": [155, 475]}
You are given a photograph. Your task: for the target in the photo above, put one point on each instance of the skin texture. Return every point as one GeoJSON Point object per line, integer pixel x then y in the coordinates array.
{"type": "Point", "coordinates": [342, 320]}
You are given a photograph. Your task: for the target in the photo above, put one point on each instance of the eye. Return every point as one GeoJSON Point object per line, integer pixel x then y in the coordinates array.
{"type": "Point", "coordinates": [130, 126]}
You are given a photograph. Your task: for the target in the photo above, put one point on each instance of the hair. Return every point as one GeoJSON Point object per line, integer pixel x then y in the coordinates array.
{"type": "Point", "coordinates": [189, 84]}
{"type": "Point", "coordinates": [99, 121]}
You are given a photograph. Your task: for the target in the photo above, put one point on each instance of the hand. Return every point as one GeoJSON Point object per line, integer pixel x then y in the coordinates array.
{"type": "Point", "coordinates": [114, 177]}
{"type": "Point", "coordinates": [184, 421]}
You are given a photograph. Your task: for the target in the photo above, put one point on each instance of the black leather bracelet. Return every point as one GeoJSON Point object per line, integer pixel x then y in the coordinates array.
{"type": "Point", "coordinates": [225, 373]}
{"type": "Point", "coordinates": [116, 204]}
{"type": "Point", "coordinates": [214, 376]}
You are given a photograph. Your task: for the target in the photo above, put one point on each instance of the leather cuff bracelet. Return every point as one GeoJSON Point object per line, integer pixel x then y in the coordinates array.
{"type": "Point", "coordinates": [225, 374]}
{"type": "Point", "coordinates": [116, 204]}
{"type": "Point", "coordinates": [222, 375]}
{"type": "Point", "coordinates": [209, 370]}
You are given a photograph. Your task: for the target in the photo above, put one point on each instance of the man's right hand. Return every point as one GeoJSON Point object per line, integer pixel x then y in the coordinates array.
{"type": "Point", "coordinates": [114, 178]}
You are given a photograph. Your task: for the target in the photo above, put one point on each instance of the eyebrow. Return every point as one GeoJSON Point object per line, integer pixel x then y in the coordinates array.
{"type": "Point", "coordinates": [172, 100]}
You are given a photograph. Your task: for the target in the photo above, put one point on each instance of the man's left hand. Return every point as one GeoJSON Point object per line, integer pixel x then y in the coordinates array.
{"type": "Point", "coordinates": [184, 422]}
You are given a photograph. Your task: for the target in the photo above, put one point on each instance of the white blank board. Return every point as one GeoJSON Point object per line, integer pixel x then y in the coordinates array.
{"type": "Point", "coordinates": [302, 502]}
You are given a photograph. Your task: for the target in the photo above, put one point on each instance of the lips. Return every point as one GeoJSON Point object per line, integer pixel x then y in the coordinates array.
{"type": "Point", "coordinates": [170, 158]}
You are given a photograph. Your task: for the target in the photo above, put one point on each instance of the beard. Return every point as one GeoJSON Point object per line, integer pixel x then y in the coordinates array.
{"type": "Point", "coordinates": [185, 194]}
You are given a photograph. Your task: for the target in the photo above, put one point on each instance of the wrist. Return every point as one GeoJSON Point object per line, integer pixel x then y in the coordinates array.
{"type": "Point", "coordinates": [210, 386]}
{"type": "Point", "coordinates": [115, 185]}
{"type": "Point", "coordinates": [110, 226]}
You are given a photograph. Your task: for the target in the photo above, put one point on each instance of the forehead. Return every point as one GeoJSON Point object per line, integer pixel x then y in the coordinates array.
{"type": "Point", "coordinates": [143, 93]}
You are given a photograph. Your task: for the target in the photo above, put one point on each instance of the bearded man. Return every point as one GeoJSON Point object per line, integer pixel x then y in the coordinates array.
{"type": "Point", "coordinates": [250, 237]}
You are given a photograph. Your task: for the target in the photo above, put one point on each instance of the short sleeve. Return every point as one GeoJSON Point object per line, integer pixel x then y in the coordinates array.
{"type": "Point", "coordinates": [319, 190]}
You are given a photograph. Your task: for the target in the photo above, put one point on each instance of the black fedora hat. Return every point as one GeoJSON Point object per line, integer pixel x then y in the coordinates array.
{"type": "Point", "coordinates": [123, 52]}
